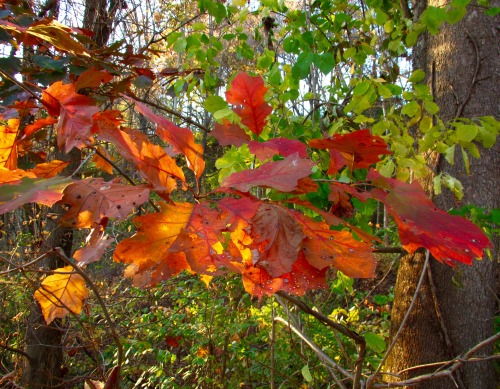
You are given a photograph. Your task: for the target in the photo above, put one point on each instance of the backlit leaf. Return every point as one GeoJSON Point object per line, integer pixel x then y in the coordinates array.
{"type": "Point", "coordinates": [92, 78]}
{"type": "Point", "coordinates": [247, 93]}
{"type": "Point", "coordinates": [96, 244]}
{"type": "Point", "coordinates": [229, 134]}
{"type": "Point", "coordinates": [448, 237]}
{"type": "Point", "coordinates": [57, 35]}
{"type": "Point", "coordinates": [8, 149]}
{"type": "Point", "coordinates": [281, 146]}
{"type": "Point", "coordinates": [60, 293]}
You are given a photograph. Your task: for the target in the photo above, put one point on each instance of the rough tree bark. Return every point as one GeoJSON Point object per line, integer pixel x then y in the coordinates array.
{"type": "Point", "coordinates": [455, 308]}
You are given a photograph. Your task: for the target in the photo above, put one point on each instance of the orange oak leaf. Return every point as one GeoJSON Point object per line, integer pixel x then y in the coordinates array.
{"type": "Point", "coordinates": [32, 190]}
{"type": "Point", "coordinates": [92, 78]}
{"type": "Point", "coordinates": [30, 129]}
{"type": "Point", "coordinates": [60, 293]}
{"type": "Point", "coordinates": [75, 113]}
{"type": "Point", "coordinates": [156, 233]}
{"type": "Point", "coordinates": [300, 279]}
{"type": "Point", "coordinates": [96, 244]}
{"type": "Point", "coordinates": [277, 237]}
{"type": "Point", "coordinates": [281, 175]}
{"type": "Point", "coordinates": [93, 198]}
{"type": "Point", "coordinates": [8, 149]}
{"type": "Point", "coordinates": [247, 93]}
{"type": "Point", "coordinates": [281, 146]}
{"type": "Point", "coordinates": [182, 139]}
{"type": "Point", "coordinates": [49, 169]}
{"type": "Point", "coordinates": [154, 164]}
{"type": "Point", "coordinates": [358, 149]}
{"type": "Point", "coordinates": [13, 177]}
{"type": "Point", "coordinates": [323, 247]}
{"type": "Point", "coordinates": [448, 237]}
{"type": "Point", "coordinates": [229, 134]}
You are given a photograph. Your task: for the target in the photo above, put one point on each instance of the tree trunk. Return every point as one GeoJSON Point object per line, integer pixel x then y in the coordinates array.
{"type": "Point", "coordinates": [456, 306]}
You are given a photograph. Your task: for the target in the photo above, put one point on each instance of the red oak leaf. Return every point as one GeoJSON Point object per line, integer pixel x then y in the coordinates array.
{"type": "Point", "coordinates": [281, 146]}
{"type": "Point", "coordinates": [358, 149]}
{"type": "Point", "coordinates": [323, 247]}
{"type": "Point", "coordinates": [229, 134]}
{"type": "Point", "coordinates": [182, 139]}
{"type": "Point", "coordinates": [75, 113]}
{"type": "Point", "coordinates": [93, 198]}
{"type": "Point", "coordinates": [277, 237]}
{"type": "Point", "coordinates": [149, 248]}
{"type": "Point", "coordinates": [341, 206]}
{"type": "Point", "coordinates": [8, 149]}
{"type": "Point", "coordinates": [49, 169]}
{"type": "Point", "coordinates": [154, 164]}
{"type": "Point", "coordinates": [92, 78]}
{"type": "Point", "coordinates": [448, 237]}
{"type": "Point", "coordinates": [281, 175]}
{"type": "Point", "coordinates": [247, 93]}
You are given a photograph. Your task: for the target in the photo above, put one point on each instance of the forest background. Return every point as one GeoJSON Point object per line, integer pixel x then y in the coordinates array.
{"type": "Point", "coordinates": [251, 164]}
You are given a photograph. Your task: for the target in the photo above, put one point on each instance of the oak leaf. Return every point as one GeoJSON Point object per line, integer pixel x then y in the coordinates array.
{"type": "Point", "coordinates": [58, 35]}
{"type": "Point", "coordinates": [92, 78]}
{"type": "Point", "coordinates": [93, 198]}
{"type": "Point", "coordinates": [277, 237]}
{"type": "Point", "coordinates": [448, 237]}
{"type": "Point", "coordinates": [182, 139]}
{"type": "Point", "coordinates": [151, 244]}
{"type": "Point", "coordinates": [60, 293]}
{"type": "Point", "coordinates": [49, 169]}
{"type": "Point", "coordinates": [8, 149]}
{"type": "Point", "coordinates": [281, 175]}
{"type": "Point", "coordinates": [96, 244]}
{"type": "Point", "coordinates": [159, 169]}
{"type": "Point", "coordinates": [281, 146]}
{"type": "Point", "coordinates": [75, 113]}
{"type": "Point", "coordinates": [247, 93]}
{"type": "Point", "coordinates": [30, 129]}
{"type": "Point", "coordinates": [358, 149]}
{"type": "Point", "coordinates": [229, 134]}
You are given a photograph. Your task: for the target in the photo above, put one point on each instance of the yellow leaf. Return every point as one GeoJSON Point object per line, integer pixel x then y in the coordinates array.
{"type": "Point", "coordinates": [60, 293]}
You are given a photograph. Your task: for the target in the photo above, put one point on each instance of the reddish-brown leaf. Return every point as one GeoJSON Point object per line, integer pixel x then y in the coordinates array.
{"type": "Point", "coordinates": [150, 247]}
{"type": "Point", "coordinates": [102, 163]}
{"type": "Point", "coordinates": [277, 237]}
{"type": "Point", "coordinates": [60, 293]}
{"type": "Point", "coordinates": [448, 237]}
{"type": "Point", "coordinates": [281, 146]}
{"type": "Point", "coordinates": [154, 164]}
{"type": "Point", "coordinates": [281, 175]}
{"type": "Point", "coordinates": [8, 149]}
{"type": "Point", "coordinates": [93, 198]}
{"type": "Point", "coordinates": [229, 134]}
{"type": "Point", "coordinates": [92, 78]}
{"type": "Point", "coordinates": [247, 93]}
{"type": "Point", "coordinates": [75, 115]}
{"type": "Point", "coordinates": [96, 244]}
{"type": "Point", "coordinates": [30, 129]}
{"type": "Point", "coordinates": [323, 247]}
{"type": "Point", "coordinates": [358, 149]}
{"type": "Point", "coordinates": [182, 139]}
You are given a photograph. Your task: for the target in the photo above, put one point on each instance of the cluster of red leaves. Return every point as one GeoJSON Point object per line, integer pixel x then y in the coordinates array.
{"type": "Point", "coordinates": [273, 246]}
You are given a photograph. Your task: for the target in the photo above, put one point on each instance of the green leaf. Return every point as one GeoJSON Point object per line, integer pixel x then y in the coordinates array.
{"type": "Point", "coordinates": [387, 169]}
{"type": "Point", "coordinates": [411, 38]}
{"type": "Point", "coordinates": [465, 157]}
{"type": "Point", "coordinates": [375, 342]}
{"type": "Point", "coordinates": [325, 62]}
{"type": "Point", "coordinates": [431, 107]}
{"type": "Point", "coordinates": [384, 91]}
{"type": "Point", "coordinates": [361, 88]}
{"type": "Point", "coordinates": [411, 109]}
{"type": "Point", "coordinates": [215, 103]}
{"type": "Point", "coordinates": [301, 68]}
{"type": "Point", "coordinates": [306, 373]}
{"type": "Point", "coordinates": [417, 76]}
{"type": "Point", "coordinates": [180, 45]}
{"type": "Point", "coordinates": [466, 132]}
{"type": "Point", "coordinates": [449, 154]}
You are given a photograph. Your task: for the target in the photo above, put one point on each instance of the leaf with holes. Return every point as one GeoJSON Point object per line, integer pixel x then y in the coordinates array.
{"type": "Point", "coordinates": [96, 244]}
{"type": "Point", "coordinates": [247, 93]}
{"type": "Point", "coordinates": [93, 198]}
{"type": "Point", "coordinates": [60, 293]}
{"type": "Point", "coordinates": [448, 237]}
